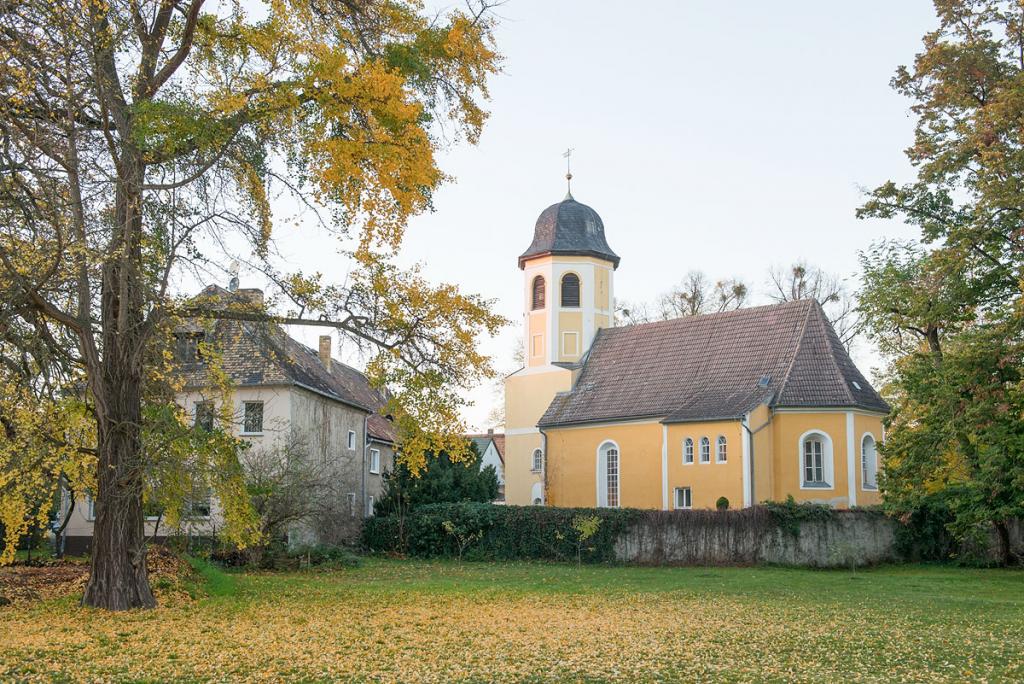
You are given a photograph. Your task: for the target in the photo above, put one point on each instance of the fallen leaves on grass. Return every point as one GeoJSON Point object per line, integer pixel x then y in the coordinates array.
{"type": "Point", "coordinates": [169, 576]}
{"type": "Point", "coordinates": [380, 625]}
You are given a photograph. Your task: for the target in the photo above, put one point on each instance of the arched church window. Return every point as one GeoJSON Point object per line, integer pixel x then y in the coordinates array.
{"type": "Point", "coordinates": [538, 461]}
{"type": "Point", "coordinates": [608, 475]}
{"type": "Point", "coordinates": [570, 290]}
{"type": "Point", "coordinates": [869, 462]}
{"type": "Point", "coordinates": [538, 293]}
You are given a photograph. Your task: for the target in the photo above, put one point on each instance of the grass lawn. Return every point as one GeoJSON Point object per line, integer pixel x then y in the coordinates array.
{"type": "Point", "coordinates": [433, 621]}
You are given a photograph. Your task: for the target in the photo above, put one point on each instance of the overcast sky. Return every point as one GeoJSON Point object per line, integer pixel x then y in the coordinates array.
{"type": "Point", "coordinates": [720, 136]}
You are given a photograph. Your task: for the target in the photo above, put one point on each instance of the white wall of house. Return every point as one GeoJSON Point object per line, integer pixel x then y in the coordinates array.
{"type": "Point", "coordinates": [491, 457]}
{"type": "Point", "coordinates": [316, 424]}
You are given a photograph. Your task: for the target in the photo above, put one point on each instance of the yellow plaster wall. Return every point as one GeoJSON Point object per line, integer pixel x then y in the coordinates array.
{"type": "Point", "coordinates": [864, 424]}
{"type": "Point", "coordinates": [572, 461]}
{"type": "Point", "coordinates": [601, 321]}
{"type": "Point", "coordinates": [538, 326]}
{"type": "Point", "coordinates": [527, 396]}
{"type": "Point", "coordinates": [787, 429]}
{"type": "Point", "coordinates": [762, 452]}
{"type": "Point", "coordinates": [572, 464]}
{"type": "Point", "coordinates": [707, 481]}
{"type": "Point", "coordinates": [519, 479]}
{"type": "Point", "coordinates": [601, 289]}
{"type": "Point", "coordinates": [570, 321]}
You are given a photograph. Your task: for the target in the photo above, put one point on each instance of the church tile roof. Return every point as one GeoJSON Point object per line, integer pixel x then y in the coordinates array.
{"type": "Point", "coordinates": [715, 367]}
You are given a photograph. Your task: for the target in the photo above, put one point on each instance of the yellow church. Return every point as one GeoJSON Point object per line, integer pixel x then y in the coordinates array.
{"type": "Point", "coordinates": [747, 406]}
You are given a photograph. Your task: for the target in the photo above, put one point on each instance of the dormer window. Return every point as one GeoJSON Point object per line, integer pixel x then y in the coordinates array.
{"type": "Point", "coordinates": [538, 293]}
{"type": "Point", "coordinates": [186, 347]}
{"type": "Point", "coordinates": [571, 290]}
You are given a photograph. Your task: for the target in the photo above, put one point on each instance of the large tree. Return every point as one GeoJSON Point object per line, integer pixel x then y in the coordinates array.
{"type": "Point", "coordinates": [948, 309]}
{"type": "Point", "coordinates": [141, 142]}
{"type": "Point", "coordinates": [804, 281]}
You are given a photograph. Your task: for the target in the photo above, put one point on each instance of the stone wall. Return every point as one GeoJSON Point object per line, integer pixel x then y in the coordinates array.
{"type": "Point", "coordinates": [842, 539]}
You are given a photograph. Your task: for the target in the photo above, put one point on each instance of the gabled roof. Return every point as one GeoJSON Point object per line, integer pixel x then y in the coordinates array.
{"type": "Point", "coordinates": [715, 367]}
{"type": "Point", "coordinates": [483, 440]}
{"type": "Point", "coordinates": [259, 354]}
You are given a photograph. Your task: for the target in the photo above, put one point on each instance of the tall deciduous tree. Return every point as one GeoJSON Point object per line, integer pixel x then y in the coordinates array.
{"type": "Point", "coordinates": [804, 281]}
{"type": "Point", "coordinates": [141, 141]}
{"type": "Point", "coordinates": [949, 309]}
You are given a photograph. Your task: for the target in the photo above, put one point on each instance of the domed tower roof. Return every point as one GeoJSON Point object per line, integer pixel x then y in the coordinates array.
{"type": "Point", "coordinates": [569, 228]}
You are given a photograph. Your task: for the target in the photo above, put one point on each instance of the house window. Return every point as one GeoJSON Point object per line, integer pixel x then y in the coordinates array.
{"type": "Point", "coordinates": [683, 498]}
{"type": "Point", "coordinates": [369, 506]}
{"type": "Point", "coordinates": [688, 451]}
{"type": "Point", "coordinates": [204, 415]}
{"type": "Point", "coordinates": [90, 507]}
{"type": "Point", "coordinates": [608, 475]}
{"type": "Point", "coordinates": [538, 293]}
{"type": "Point", "coordinates": [375, 461]}
{"type": "Point", "coordinates": [351, 439]}
{"type": "Point", "coordinates": [186, 347]}
{"type": "Point", "coordinates": [705, 450]}
{"type": "Point", "coordinates": [352, 504]}
{"type": "Point", "coordinates": [571, 290]}
{"type": "Point", "coordinates": [253, 423]}
{"type": "Point", "coordinates": [816, 461]}
{"type": "Point", "coordinates": [869, 462]}
{"type": "Point", "coordinates": [199, 504]}
{"type": "Point", "coordinates": [720, 452]}
{"type": "Point", "coordinates": [538, 461]}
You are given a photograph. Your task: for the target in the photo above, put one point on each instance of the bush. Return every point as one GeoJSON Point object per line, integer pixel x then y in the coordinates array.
{"type": "Point", "coordinates": [499, 533]}
{"type": "Point", "coordinates": [323, 556]}
{"type": "Point", "coordinates": [722, 504]}
{"type": "Point", "coordinates": [923, 534]}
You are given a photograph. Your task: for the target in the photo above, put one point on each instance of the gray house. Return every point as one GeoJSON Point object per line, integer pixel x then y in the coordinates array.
{"type": "Point", "coordinates": [290, 401]}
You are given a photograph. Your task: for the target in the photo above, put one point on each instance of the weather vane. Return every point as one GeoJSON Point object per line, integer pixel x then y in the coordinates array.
{"type": "Point", "coordinates": [568, 171]}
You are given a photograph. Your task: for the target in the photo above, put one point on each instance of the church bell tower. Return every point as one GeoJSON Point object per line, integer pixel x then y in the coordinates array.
{"type": "Point", "coordinates": [568, 296]}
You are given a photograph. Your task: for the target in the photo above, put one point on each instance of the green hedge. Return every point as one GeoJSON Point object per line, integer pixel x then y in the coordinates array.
{"type": "Point", "coordinates": [497, 533]}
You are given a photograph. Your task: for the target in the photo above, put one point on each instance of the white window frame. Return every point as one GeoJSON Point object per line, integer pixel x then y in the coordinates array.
{"type": "Point", "coordinates": [705, 441]}
{"type": "Point", "coordinates": [828, 461]}
{"type": "Point", "coordinates": [537, 464]}
{"type": "Point", "coordinates": [375, 461]}
{"type": "Point", "coordinates": [369, 506]}
{"type": "Point", "coordinates": [351, 440]}
{"type": "Point", "coordinates": [90, 508]}
{"type": "Point", "coordinates": [863, 463]}
{"type": "Point", "coordinates": [603, 496]}
{"type": "Point", "coordinates": [352, 504]}
{"type": "Point", "coordinates": [245, 410]}
{"type": "Point", "coordinates": [721, 449]}
{"type": "Point", "coordinates": [687, 502]}
{"type": "Point", "coordinates": [688, 455]}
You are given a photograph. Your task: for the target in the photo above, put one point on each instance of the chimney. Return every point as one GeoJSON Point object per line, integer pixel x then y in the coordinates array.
{"type": "Point", "coordinates": [490, 432]}
{"type": "Point", "coordinates": [251, 295]}
{"type": "Point", "coordinates": [325, 351]}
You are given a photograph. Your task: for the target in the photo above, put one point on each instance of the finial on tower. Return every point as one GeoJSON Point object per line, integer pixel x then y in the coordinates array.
{"type": "Point", "coordinates": [568, 173]}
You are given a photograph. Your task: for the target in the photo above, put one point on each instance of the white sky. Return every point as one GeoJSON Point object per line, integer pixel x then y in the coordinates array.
{"type": "Point", "coordinates": [720, 136]}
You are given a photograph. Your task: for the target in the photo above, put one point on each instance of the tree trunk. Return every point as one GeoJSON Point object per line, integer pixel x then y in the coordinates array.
{"type": "Point", "coordinates": [117, 579]}
{"type": "Point", "coordinates": [1006, 555]}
